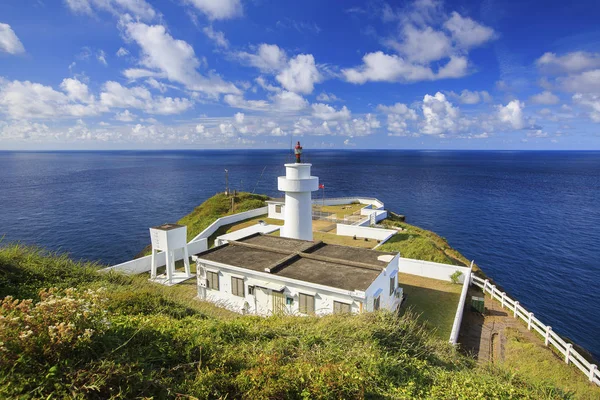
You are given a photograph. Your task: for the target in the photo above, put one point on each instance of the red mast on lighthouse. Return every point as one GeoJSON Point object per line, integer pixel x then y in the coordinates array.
{"type": "Point", "coordinates": [298, 152]}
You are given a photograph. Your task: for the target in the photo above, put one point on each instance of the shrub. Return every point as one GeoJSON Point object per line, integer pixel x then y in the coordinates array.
{"type": "Point", "coordinates": [41, 334]}
{"type": "Point", "coordinates": [455, 276]}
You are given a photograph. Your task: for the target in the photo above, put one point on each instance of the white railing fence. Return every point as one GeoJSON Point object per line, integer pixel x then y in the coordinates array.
{"type": "Point", "coordinates": [550, 337]}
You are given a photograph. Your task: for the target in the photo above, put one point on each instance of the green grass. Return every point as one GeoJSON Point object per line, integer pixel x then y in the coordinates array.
{"type": "Point", "coordinates": [421, 244]}
{"type": "Point", "coordinates": [154, 341]}
{"type": "Point", "coordinates": [434, 302]}
{"type": "Point", "coordinates": [541, 365]}
{"type": "Point", "coordinates": [215, 207]}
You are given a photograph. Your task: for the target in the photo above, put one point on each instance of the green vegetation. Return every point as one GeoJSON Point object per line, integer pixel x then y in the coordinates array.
{"type": "Point", "coordinates": [433, 301]}
{"type": "Point", "coordinates": [541, 366]}
{"type": "Point", "coordinates": [115, 336]}
{"type": "Point", "coordinates": [420, 244]}
{"type": "Point", "coordinates": [216, 207]}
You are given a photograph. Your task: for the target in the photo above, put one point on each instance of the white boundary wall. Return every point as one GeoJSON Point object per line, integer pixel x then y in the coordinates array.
{"type": "Point", "coordinates": [334, 201]}
{"type": "Point", "coordinates": [365, 232]}
{"type": "Point", "coordinates": [196, 245]}
{"type": "Point", "coordinates": [144, 264]}
{"type": "Point", "coordinates": [230, 219]}
{"type": "Point", "coordinates": [442, 272]}
{"type": "Point", "coordinates": [550, 338]}
{"type": "Point", "coordinates": [431, 270]}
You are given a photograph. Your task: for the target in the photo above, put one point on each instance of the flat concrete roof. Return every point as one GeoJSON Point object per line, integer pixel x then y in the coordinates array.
{"type": "Point", "coordinates": [342, 267]}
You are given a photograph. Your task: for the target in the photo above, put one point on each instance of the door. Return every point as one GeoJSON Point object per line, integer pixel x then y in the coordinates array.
{"type": "Point", "coordinates": [278, 302]}
{"type": "Point", "coordinates": [261, 296]}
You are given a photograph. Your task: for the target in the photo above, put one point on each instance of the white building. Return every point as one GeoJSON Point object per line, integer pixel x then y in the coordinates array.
{"type": "Point", "coordinates": [265, 275]}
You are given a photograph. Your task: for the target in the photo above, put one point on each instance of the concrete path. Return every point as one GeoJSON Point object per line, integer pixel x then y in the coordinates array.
{"type": "Point", "coordinates": [484, 337]}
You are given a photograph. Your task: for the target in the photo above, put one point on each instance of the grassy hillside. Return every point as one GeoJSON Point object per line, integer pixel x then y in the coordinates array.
{"type": "Point", "coordinates": [215, 207]}
{"type": "Point", "coordinates": [420, 244]}
{"type": "Point", "coordinates": [115, 336]}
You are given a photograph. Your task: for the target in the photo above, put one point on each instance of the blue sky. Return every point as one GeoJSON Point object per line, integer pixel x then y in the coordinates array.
{"type": "Point", "coordinates": [134, 74]}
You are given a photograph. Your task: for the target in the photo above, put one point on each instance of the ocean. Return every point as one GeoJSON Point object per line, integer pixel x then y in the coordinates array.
{"type": "Point", "coordinates": [530, 220]}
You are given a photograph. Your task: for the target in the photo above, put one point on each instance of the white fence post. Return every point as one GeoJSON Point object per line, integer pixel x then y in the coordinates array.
{"type": "Point", "coordinates": [529, 321]}
{"type": "Point", "coordinates": [568, 352]}
{"type": "Point", "coordinates": [516, 306]}
{"type": "Point", "coordinates": [492, 293]}
{"type": "Point", "coordinates": [503, 295]}
{"type": "Point", "coordinates": [485, 283]}
{"type": "Point", "coordinates": [593, 369]}
{"type": "Point", "coordinates": [547, 336]}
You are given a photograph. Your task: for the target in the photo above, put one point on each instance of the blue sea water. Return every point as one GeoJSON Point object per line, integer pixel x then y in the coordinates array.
{"type": "Point", "coordinates": [531, 220]}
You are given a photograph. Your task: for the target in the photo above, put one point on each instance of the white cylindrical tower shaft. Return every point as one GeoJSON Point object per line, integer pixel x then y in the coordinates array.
{"type": "Point", "coordinates": [298, 185]}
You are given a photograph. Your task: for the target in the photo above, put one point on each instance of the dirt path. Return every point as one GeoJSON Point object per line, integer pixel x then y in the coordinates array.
{"type": "Point", "coordinates": [484, 337]}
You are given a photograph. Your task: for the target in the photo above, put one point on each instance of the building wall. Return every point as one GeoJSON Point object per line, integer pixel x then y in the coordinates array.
{"type": "Point", "coordinates": [273, 211]}
{"type": "Point", "coordinates": [324, 296]}
{"type": "Point", "coordinates": [364, 231]}
{"type": "Point", "coordinates": [381, 288]}
{"type": "Point", "coordinates": [431, 270]}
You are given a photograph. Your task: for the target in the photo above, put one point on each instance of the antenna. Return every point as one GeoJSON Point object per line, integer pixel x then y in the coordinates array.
{"type": "Point", "coordinates": [261, 175]}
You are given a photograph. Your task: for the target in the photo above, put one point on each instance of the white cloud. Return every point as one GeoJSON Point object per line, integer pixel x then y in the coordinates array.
{"type": "Point", "coordinates": [101, 57]}
{"type": "Point", "coordinates": [512, 114]}
{"type": "Point", "coordinates": [439, 115]}
{"type": "Point", "coordinates": [216, 36]}
{"type": "Point", "coordinates": [574, 62]}
{"type": "Point", "coordinates": [422, 45]}
{"type": "Point", "coordinates": [125, 116]}
{"type": "Point", "coordinates": [265, 85]}
{"type": "Point", "coordinates": [591, 102]}
{"type": "Point", "coordinates": [466, 32]}
{"type": "Point", "coordinates": [327, 113]}
{"type": "Point", "coordinates": [218, 9]}
{"type": "Point", "coordinates": [300, 75]}
{"type": "Point", "coordinates": [398, 109]}
{"type": "Point", "coordinates": [76, 90]}
{"type": "Point", "coordinates": [585, 82]}
{"type": "Point", "coordinates": [268, 58]}
{"type": "Point", "coordinates": [472, 97]}
{"type": "Point", "coordinates": [327, 97]}
{"type": "Point", "coordinates": [239, 118]}
{"type": "Point", "coordinates": [398, 116]}
{"type": "Point", "coordinates": [33, 100]}
{"type": "Point", "coordinates": [538, 133]}
{"type": "Point", "coordinates": [238, 101]}
{"type": "Point", "coordinates": [172, 58]}
{"type": "Point", "coordinates": [289, 101]}
{"type": "Point", "coordinates": [9, 42]}
{"type": "Point", "coordinates": [122, 52]}
{"type": "Point", "coordinates": [138, 8]}
{"type": "Point", "coordinates": [545, 97]}
{"type": "Point", "coordinates": [114, 95]}
{"type": "Point", "coordinates": [455, 68]}
{"type": "Point", "coordinates": [380, 67]}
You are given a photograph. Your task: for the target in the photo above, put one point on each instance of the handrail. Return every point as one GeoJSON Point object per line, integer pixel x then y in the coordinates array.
{"type": "Point", "coordinates": [549, 336]}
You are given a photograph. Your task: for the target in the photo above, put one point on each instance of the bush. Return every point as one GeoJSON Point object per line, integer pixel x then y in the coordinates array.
{"type": "Point", "coordinates": [455, 276]}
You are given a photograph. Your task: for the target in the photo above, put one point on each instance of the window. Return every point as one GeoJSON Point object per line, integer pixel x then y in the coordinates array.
{"type": "Point", "coordinates": [341, 308]}
{"type": "Point", "coordinates": [376, 303]}
{"type": "Point", "coordinates": [251, 290]}
{"type": "Point", "coordinates": [392, 285]}
{"type": "Point", "coordinates": [212, 280]}
{"type": "Point", "coordinates": [307, 304]}
{"type": "Point", "coordinates": [289, 301]}
{"type": "Point", "coordinates": [237, 286]}
{"type": "Point", "coordinates": [278, 209]}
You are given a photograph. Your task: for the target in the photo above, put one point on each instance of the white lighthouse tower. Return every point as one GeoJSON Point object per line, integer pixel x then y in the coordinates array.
{"type": "Point", "coordinates": [297, 185]}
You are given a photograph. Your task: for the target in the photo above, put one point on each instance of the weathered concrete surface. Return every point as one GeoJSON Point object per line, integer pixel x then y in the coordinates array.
{"type": "Point", "coordinates": [484, 337]}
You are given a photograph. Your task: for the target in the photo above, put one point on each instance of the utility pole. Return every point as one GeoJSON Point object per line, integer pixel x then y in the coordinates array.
{"type": "Point", "coordinates": [226, 182]}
